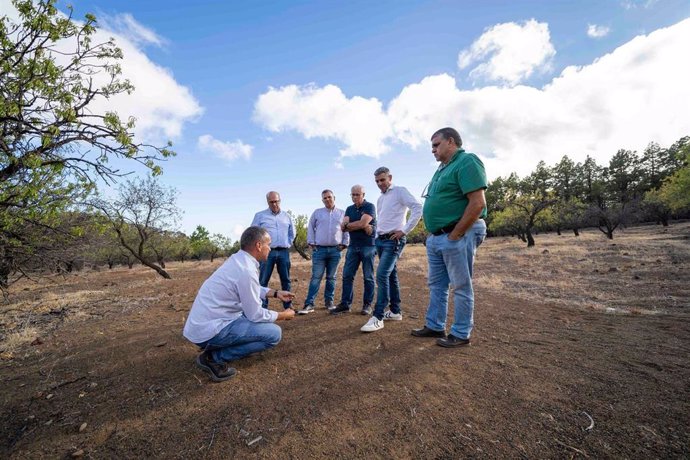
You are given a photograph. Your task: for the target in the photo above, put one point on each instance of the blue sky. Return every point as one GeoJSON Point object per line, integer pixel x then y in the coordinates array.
{"type": "Point", "coordinates": [302, 96]}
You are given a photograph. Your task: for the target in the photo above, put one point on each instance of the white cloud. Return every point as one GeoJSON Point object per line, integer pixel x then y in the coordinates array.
{"type": "Point", "coordinates": [633, 4]}
{"type": "Point", "coordinates": [227, 150]}
{"type": "Point", "coordinates": [510, 52]}
{"type": "Point", "coordinates": [636, 94]}
{"type": "Point", "coordinates": [595, 31]}
{"type": "Point", "coordinates": [327, 113]}
{"type": "Point", "coordinates": [126, 26]}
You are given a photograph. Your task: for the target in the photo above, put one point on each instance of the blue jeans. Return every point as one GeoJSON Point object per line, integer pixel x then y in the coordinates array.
{"type": "Point", "coordinates": [355, 255]}
{"type": "Point", "coordinates": [323, 259]}
{"type": "Point", "coordinates": [450, 264]}
{"type": "Point", "coordinates": [387, 285]}
{"type": "Point", "coordinates": [281, 259]}
{"type": "Point", "coordinates": [241, 338]}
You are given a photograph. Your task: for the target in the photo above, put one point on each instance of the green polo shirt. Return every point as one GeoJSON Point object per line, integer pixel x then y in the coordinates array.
{"type": "Point", "coordinates": [447, 192]}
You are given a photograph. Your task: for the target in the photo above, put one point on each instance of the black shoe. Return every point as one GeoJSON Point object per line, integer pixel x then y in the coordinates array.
{"type": "Point", "coordinates": [426, 332]}
{"type": "Point", "coordinates": [329, 305]}
{"type": "Point", "coordinates": [218, 372]}
{"type": "Point", "coordinates": [451, 341]}
{"type": "Point", "coordinates": [367, 310]}
{"type": "Point", "coordinates": [341, 308]}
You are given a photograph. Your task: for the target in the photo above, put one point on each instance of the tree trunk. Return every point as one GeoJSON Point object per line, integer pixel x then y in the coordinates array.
{"type": "Point", "coordinates": [530, 239]}
{"type": "Point", "coordinates": [303, 253]}
{"type": "Point", "coordinates": [576, 231]}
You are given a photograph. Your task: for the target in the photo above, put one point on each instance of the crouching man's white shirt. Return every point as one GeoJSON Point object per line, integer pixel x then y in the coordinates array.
{"type": "Point", "coordinates": [230, 292]}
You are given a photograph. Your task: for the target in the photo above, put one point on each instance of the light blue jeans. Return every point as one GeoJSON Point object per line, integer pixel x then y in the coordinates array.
{"type": "Point", "coordinates": [323, 259]}
{"type": "Point", "coordinates": [387, 283]}
{"type": "Point", "coordinates": [450, 265]}
{"type": "Point", "coordinates": [242, 338]}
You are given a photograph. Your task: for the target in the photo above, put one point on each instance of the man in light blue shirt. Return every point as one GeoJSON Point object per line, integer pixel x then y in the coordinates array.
{"type": "Point", "coordinates": [279, 225]}
{"type": "Point", "coordinates": [327, 240]}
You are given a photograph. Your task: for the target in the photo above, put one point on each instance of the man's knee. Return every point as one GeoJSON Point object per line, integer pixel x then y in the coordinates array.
{"type": "Point", "coordinates": [274, 335]}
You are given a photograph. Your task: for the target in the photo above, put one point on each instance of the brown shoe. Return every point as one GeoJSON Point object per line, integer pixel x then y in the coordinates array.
{"type": "Point", "coordinates": [452, 341]}
{"type": "Point", "coordinates": [426, 332]}
{"type": "Point", "coordinates": [218, 372]}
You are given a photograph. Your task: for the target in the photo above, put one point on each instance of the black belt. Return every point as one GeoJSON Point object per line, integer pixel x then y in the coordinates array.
{"type": "Point", "coordinates": [447, 229]}
{"type": "Point", "coordinates": [322, 246]}
{"type": "Point", "coordinates": [278, 248]}
{"type": "Point", "coordinates": [386, 236]}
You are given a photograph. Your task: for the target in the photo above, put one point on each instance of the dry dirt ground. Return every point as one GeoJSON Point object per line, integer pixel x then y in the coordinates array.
{"type": "Point", "coordinates": [581, 349]}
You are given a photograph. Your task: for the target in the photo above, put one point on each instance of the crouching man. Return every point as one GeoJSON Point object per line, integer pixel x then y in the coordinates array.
{"type": "Point", "coordinates": [227, 320]}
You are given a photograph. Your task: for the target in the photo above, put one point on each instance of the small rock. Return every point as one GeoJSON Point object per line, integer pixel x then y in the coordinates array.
{"type": "Point", "coordinates": [636, 277]}
{"type": "Point", "coordinates": [77, 453]}
{"type": "Point", "coordinates": [626, 253]}
{"type": "Point", "coordinates": [613, 269]}
{"type": "Point", "coordinates": [93, 385]}
{"type": "Point", "coordinates": [49, 422]}
{"type": "Point", "coordinates": [37, 341]}
{"type": "Point", "coordinates": [82, 427]}
{"type": "Point", "coordinates": [50, 396]}
{"type": "Point", "coordinates": [545, 251]}
{"type": "Point", "coordinates": [161, 344]}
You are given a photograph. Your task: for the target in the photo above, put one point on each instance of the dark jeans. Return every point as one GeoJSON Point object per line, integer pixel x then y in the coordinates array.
{"type": "Point", "coordinates": [387, 285]}
{"type": "Point", "coordinates": [356, 255]}
{"type": "Point", "coordinates": [323, 259]}
{"type": "Point", "coordinates": [281, 259]}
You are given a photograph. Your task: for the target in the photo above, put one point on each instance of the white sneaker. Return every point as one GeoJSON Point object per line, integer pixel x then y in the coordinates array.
{"type": "Point", "coordinates": [390, 316]}
{"type": "Point", "coordinates": [374, 324]}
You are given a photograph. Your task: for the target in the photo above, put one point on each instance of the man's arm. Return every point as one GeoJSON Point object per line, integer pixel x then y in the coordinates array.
{"type": "Point", "coordinates": [250, 294]}
{"type": "Point", "coordinates": [257, 220]}
{"type": "Point", "coordinates": [360, 224]}
{"type": "Point", "coordinates": [344, 236]}
{"type": "Point", "coordinates": [477, 203]}
{"type": "Point", "coordinates": [415, 210]}
{"type": "Point", "coordinates": [311, 237]}
{"type": "Point", "coordinates": [291, 231]}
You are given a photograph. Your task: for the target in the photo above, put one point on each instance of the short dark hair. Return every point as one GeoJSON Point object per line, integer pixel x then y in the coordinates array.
{"type": "Point", "coordinates": [449, 133]}
{"type": "Point", "coordinates": [382, 170]}
{"type": "Point", "coordinates": [328, 191]}
{"type": "Point", "coordinates": [250, 236]}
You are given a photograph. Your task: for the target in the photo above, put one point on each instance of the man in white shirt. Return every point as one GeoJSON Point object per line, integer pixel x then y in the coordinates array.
{"type": "Point", "coordinates": [391, 207]}
{"type": "Point", "coordinates": [227, 319]}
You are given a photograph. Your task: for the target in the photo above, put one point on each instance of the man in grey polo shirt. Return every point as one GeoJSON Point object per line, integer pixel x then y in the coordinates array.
{"type": "Point", "coordinates": [327, 240]}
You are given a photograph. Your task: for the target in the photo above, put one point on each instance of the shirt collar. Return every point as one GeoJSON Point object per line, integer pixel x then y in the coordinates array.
{"type": "Point", "coordinates": [388, 189]}
{"type": "Point", "coordinates": [249, 257]}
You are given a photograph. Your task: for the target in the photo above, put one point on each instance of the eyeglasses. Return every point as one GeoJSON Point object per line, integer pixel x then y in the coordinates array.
{"type": "Point", "coordinates": [355, 194]}
{"type": "Point", "coordinates": [274, 202]}
{"type": "Point", "coordinates": [427, 189]}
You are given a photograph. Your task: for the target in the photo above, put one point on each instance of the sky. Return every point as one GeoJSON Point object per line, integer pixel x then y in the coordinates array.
{"type": "Point", "coordinates": [303, 96]}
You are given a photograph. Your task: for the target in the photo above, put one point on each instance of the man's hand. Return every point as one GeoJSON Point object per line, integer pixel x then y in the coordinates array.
{"type": "Point", "coordinates": [286, 315]}
{"type": "Point", "coordinates": [285, 296]}
{"type": "Point", "coordinates": [397, 235]}
{"type": "Point", "coordinates": [368, 230]}
{"type": "Point", "coordinates": [343, 225]}
{"type": "Point", "coordinates": [341, 247]}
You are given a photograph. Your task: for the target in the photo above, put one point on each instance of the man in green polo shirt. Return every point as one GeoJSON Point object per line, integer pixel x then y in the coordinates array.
{"type": "Point", "coordinates": [453, 214]}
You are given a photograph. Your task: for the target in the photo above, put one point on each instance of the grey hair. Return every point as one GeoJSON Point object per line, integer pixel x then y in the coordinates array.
{"type": "Point", "coordinates": [449, 133]}
{"type": "Point", "coordinates": [382, 170]}
{"type": "Point", "coordinates": [251, 236]}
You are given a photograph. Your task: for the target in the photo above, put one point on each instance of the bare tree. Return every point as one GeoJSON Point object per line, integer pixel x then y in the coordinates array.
{"type": "Point", "coordinates": [143, 209]}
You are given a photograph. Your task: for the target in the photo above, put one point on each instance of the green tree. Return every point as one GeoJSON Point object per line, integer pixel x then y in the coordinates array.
{"type": "Point", "coordinates": [201, 242]}
{"type": "Point", "coordinates": [53, 142]}
{"type": "Point", "coordinates": [300, 243]}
